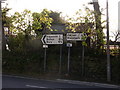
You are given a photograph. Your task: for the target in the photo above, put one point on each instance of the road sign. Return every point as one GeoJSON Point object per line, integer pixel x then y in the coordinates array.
{"type": "Point", "coordinates": [52, 39]}
{"type": "Point", "coordinates": [74, 36]}
{"type": "Point", "coordinates": [69, 44]}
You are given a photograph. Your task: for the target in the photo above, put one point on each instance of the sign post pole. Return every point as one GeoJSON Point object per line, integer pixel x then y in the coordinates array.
{"type": "Point", "coordinates": [68, 67]}
{"type": "Point", "coordinates": [52, 39]}
{"type": "Point", "coordinates": [68, 60]}
{"type": "Point", "coordinates": [83, 62]}
{"type": "Point", "coordinates": [60, 63]}
{"type": "Point", "coordinates": [45, 60]}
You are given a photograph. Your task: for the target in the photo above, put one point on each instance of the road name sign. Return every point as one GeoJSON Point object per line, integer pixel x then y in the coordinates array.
{"type": "Point", "coordinates": [45, 46]}
{"type": "Point", "coordinates": [74, 36]}
{"type": "Point", "coordinates": [52, 39]}
{"type": "Point", "coordinates": [69, 44]}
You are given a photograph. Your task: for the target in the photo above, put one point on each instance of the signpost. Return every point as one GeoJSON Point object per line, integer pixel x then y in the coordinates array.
{"type": "Point", "coordinates": [48, 39]}
{"type": "Point", "coordinates": [45, 47]}
{"type": "Point", "coordinates": [52, 39]}
{"type": "Point", "coordinates": [69, 45]}
{"type": "Point", "coordinates": [74, 36]}
{"type": "Point", "coordinates": [60, 63]}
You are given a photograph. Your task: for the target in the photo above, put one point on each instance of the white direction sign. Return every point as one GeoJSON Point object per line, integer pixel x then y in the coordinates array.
{"type": "Point", "coordinates": [52, 39]}
{"type": "Point", "coordinates": [74, 36]}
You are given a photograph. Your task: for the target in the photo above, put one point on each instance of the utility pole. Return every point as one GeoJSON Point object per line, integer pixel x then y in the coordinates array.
{"type": "Point", "coordinates": [119, 16]}
{"type": "Point", "coordinates": [98, 26]}
{"type": "Point", "coordinates": [108, 49]}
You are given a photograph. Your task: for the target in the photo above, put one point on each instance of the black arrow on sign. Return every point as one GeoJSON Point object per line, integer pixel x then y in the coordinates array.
{"type": "Point", "coordinates": [43, 39]}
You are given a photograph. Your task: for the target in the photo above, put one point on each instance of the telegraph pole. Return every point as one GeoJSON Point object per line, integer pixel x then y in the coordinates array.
{"type": "Point", "coordinates": [119, 16]}
{"type": "Point", "coordinates": [108, 49]}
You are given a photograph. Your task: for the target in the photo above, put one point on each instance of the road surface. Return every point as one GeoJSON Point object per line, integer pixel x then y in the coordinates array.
{"type": "Point", "coordinates": [16, 82]}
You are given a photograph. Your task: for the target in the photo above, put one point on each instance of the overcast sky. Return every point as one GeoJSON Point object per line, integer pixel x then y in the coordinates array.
{"type": "Point", "coordinates": [67, 7]}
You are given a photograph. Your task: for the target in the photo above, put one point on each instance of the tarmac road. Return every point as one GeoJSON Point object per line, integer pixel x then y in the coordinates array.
{"type": "Point", "coordinates": [16, 82]}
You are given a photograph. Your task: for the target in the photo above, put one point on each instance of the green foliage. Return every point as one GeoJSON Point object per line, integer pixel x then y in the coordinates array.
{"type": "Point", "coordinates": [16, 43]}
{"type": "Point", "coordinates": [22, 62]}
{"type": "Point", "coordinates": [42, 21]}
{"type": "Point", "coordinates": [84, 43]}
{"type": "Point", "coordinates": [115, 64]}
{"type": "Point", "coordinates": [22, 21]}
{"type": "Point", "coordinates": [6, 20]}
{"type": "Point", "coordinates": [85, 22]}
{"type": "Point", "coordinates": [57, 19]}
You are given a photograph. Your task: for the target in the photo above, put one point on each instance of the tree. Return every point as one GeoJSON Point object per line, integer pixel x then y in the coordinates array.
{"type": "Point", "coordinates": [116, 38]}
{"type": "Point", "coordinates": [41, 21]}
{"type": "Point", "coordinates": [99, 28]}
{"type": "Point", "coordinates": [57, 19]}
{"type": "Point", "coordinates": [6, 22]}
{"type": "Point", "coordinates": [22, 21]}
{"type": "Point", "coordinates": [85, 22]}
{"type": "Point", "coordinates": [22, 26]}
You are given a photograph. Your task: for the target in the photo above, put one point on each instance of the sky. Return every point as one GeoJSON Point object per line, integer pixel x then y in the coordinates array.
{"type": "Point", "coordinates": [67, 7]}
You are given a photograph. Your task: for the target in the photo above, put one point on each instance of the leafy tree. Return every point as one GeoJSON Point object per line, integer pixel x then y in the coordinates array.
{"type": "Point", "coordinates": [6, 22]}
{"type": "Point", "coordinates": [57, 19]}
{"type": "Point", "coordinates": [22, 26]}
{"type": "Point", "coordinates": [22, 22]}
{"type": "Point", "coordinates": [116, 38]}
{"type": "Point", "coordinates": [41, 21]}
{"type": "Point", "coordinates": [85, 22]}
{"type": "Point", "coordinates": [98, 23]}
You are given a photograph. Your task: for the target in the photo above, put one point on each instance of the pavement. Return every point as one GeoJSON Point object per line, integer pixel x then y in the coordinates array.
{"type": "Point", "coordinates": [10, 81]}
